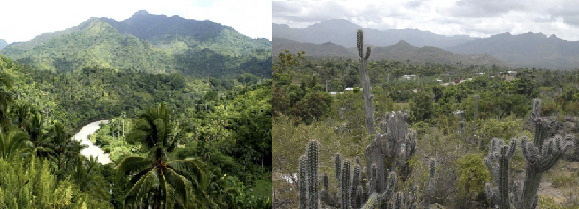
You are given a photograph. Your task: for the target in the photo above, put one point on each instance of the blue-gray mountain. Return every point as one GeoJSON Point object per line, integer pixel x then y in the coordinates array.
{"type": "Point", "coordinates": [147, 43]}
{"type": "Point", "coordinates": [526, 50]}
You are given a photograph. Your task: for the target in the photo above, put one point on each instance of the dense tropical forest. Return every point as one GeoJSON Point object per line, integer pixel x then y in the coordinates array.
{"type": "Point", "coordinates": [392, 134]}
{"type": "Point", "coordinates": [147, 43]}
{"type": "Point", "coordinates": [175, 141]}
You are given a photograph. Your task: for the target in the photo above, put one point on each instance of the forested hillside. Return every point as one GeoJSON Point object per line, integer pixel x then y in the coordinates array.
{"type": "Point", "coordinates": [174, 140]}
{"type": "Point", "coordinates": [147, 43]}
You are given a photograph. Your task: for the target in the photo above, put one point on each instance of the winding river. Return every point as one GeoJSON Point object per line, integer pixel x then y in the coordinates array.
{"type": "Point", "coordinates": [92, 150]}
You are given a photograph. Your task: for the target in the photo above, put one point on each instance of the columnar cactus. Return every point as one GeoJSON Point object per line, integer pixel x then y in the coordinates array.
{"type": "Point", "coordinates": [374, 179]}
{"type": "Point", "coordinates": [431, 188]}
{"type": "Point", "coordinates": [346, 186]}
{"type": "Point", "coordinates": [541, 154]}
{"type": "Point", "coordinates": [390, 186]}
{"type": "Point", "coordinates": [497, 161]}
{"type": "Point", "coordinates": [354, 186]}
{"type": "Point", "coordinates": [308, 177]}
{"type": "Point", "coordinates": [365, 81]}
{"type": "Point", "coordinates": [313, 174]}
{"type": "Point", "coordinates": [398, 202]}
{"type": "Point", "coordinates": [302, 182]}
{"type": "Point", "coordinates": [400, 142]}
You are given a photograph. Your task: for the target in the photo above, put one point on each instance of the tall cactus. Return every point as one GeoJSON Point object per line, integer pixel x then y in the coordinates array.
{"type": "Point", "coordinates": [308, 177]}
{"type": "Point", "coordinates": [313, 174]}
{"type": "Point", "coordinates": [541, 154]}
{"type": "Point", "coordinates": [365, 81]}
{"type": "Point", "coordinates": [346, 186]}
{"type": "Point", "coordinates": [431, 188]}
{"type": "Point", "coordinates": [497, 161]}
{"type": "Point", "coordinates": [302, 182]}
{"type": "Point", "coordinates": [354, 186]}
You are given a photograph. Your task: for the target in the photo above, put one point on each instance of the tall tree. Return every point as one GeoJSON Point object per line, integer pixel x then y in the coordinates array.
{"type": "Point", "coordinates": [155, 180]}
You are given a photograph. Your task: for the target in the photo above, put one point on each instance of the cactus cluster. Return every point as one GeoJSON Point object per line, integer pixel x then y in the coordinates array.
{"type": "Point", "coordinates": [540, 155]}
{"type": "Point", "coordinates": [387, 154]}
{"type": "Point", "coordinates": [392, 150]}
{"type": "Point", "coordinates": [308, 177]}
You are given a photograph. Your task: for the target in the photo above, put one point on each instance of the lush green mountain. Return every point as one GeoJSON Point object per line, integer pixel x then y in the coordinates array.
{"type": "Point", "coordinates": [147, 43]}
{"type": "Point", "coordinates": [526, 50]}
{"type": "Point", "coordinates": [340, 32]}
{"type": "Point", "coordinates": [3, 44]}
{"type": "Point", "coordinates": [402, 51]}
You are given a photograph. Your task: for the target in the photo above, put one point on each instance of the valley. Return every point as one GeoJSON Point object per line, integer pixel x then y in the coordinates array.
{"type": "Point", "coordinates": [154, 100]}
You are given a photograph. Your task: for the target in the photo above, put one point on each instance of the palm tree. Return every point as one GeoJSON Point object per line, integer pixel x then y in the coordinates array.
{"type": "Point", "coordinates": [65, 150]}
{"type": "Point", "coordinates": [155, 180]}
{"type": "Point", "coordinates": [31, 123]}
{"type": "Point", "coordinates": [14, 143]}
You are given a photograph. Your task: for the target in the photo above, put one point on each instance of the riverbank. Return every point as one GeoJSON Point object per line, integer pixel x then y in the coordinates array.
{"type": "Point", "coordinates": [92, 150]}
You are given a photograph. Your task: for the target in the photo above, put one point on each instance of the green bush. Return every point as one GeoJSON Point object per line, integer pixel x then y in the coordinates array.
{"type": "Point", "coordinates": [472, 176]}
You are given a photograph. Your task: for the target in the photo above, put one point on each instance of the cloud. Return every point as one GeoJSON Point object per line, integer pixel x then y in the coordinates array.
{"type": "Point", "coordinates": [485, 8]}
{"type": "Point", "coordinates": [478, 18]}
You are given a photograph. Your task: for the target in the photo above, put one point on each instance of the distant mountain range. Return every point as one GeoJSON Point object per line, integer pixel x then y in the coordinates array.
{"type": "Point", "coordinates": [147, 43]}
{"type": "Point", "coordinates": [3, 44]}
{"type": "Point", "coordinates": [402, 51]}
{"type": "Point", "coordinates": [523, 50]}
{"type": "Point", "coordinates": [526, 50]}
{"type": "Point", "coordinates": [342, 32]}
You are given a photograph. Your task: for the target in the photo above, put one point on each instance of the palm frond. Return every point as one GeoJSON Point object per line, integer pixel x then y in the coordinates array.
{"type": "Point", "coordinates": [191, 169]}
{"type": "Point", "coordinates": [181, 188]}
{"type": "Point", "coordinates": [133, 164]}
{"type": "Point", "coordinates": [141, 189]}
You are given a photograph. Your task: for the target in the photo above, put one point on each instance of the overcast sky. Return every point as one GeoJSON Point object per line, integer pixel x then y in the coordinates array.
{"type": "Point", "coordinates": [22, 20]}
{"type": "Point", "coordinates": [477, 18]}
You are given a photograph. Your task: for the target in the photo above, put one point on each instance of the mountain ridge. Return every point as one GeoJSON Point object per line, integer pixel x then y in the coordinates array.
{"type": "Point", "coordinates": [522, 50]}
{"type": "Point", "coordinates": [526, 50]}
{"type": "Point", "coordinates": [147, 43]}
{"type": "Point", "coordinates": [401, 51]}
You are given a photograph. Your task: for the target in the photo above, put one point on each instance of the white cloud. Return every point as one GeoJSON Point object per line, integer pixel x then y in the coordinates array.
{"type": "Point", "coordinates": [478, 18]}
{"type": "Point", "coordinates": [24, 19]}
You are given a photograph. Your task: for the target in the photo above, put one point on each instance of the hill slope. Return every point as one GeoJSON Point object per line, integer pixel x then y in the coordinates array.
{"type": "Point", "coordinates": [147, 43]}
{"type": "Point", "coordinates": [526, 50]}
